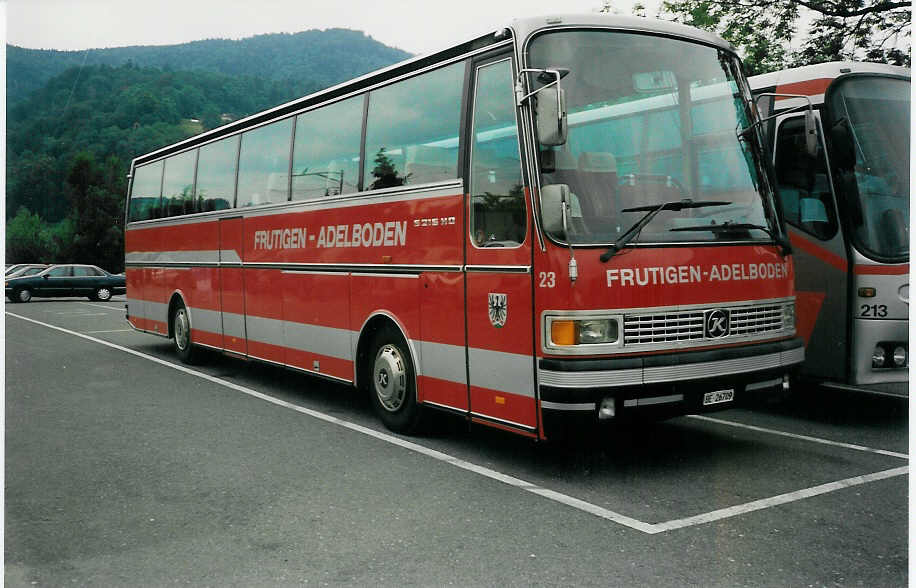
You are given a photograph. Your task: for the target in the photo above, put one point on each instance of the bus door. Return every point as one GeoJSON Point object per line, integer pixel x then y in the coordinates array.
{"type": "Point", "coordinates": [821, 269]}
{"type": "Point", "coordinates": [232, 285]}
{"type": "Point", "coordinates": [498, 302]}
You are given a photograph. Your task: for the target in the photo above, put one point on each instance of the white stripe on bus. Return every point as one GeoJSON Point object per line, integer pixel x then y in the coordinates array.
{"type": "Point", "coordinates": [495, 370]}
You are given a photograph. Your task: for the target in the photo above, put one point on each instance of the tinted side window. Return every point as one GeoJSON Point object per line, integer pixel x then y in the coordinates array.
{"type": "Point", "coordinates": [178, 184]}
{"type": "Point", "coordinates": [326, 153]}
{"type": "Point", "coordinates": [264, 164]}
{"type": "Point", "coordinates": [497, 198]}
{"type": "Point", "coordinates": [412, 131]}
{"type": "Point", "coordinates": [215, 188]}
{"type": "Point", "coordinates": [63, 271]}
{"type": "Point", "coordinates": [803, 183]}
{"type": "Point", "coordinates": [144, 194]}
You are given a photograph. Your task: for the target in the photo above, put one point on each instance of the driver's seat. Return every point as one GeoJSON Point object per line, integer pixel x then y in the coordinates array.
{"type": "Point", "coordinates": [598, 178]}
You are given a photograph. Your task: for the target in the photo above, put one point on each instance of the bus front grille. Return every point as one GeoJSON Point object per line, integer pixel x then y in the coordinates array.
{"type": "Point", "coordinates": [673, 327]}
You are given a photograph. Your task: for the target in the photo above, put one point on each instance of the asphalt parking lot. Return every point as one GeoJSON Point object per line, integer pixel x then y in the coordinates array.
{"type": "Point", "coordinates": [124, 467]}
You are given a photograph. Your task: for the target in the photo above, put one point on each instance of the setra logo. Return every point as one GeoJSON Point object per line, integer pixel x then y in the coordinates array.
{"type": "Point", "coordinates": [715, 324]}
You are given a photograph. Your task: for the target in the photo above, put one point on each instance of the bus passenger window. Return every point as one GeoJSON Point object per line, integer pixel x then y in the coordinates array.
{"type": "Point", "coordinates": [178, 183]}
{"type": "Point", "coordinates": [497, 195]}
{"type": "Point", "coordinates": [264, 164]}
{"type": "Point", "coordinates": [215, 186]}
{"type": "Point", "coordinates": [326, 153]}
{"type": "Point", "coordinates": [412, 130]}
{"type": "Point", "coordinates": [145, 192]}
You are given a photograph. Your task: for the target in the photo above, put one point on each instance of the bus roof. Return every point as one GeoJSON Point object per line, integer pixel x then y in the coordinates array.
{"type": "Point", "coordinates": [822, 71]}
{"type": "Point", "coordinates": [522, 29]}
{"type": "Point", "coordinates": [525, 27]}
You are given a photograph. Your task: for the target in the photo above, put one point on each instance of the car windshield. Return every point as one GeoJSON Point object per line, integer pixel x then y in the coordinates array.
{"type": "Point", "coordinates": [653, 120]}
{"type": "Point", "coordinates": [873, 114]}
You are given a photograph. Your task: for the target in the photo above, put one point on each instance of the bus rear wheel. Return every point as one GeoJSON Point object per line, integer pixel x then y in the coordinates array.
{"type": "Point", "coordinates": [392, 382]}
{"type": "Point", "coordinates": [181, 335]}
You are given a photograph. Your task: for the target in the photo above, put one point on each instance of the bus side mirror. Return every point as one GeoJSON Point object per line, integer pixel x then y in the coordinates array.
{"type": "Point", "coordinates": [553, 199]}
{"type": "Point", "coordinates": [550, 111]}
{"type": "Point", "coordinates": [550, 105]}
{"type": "Point", "coordinates": [810, 133]}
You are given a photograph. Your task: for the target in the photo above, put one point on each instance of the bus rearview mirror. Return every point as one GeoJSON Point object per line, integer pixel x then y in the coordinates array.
{"type": "Point", "coordinates": [550, 111]}
{"type": "Point", "coordinates": [553, 197]}
{"type": "Point", "coordinates": [810, 133]}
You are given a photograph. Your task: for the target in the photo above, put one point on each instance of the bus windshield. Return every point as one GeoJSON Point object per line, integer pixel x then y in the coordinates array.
{"type": "Point", "coordinates": [873, 114]}
{"type": "Point", "coordinates": [654, 120]}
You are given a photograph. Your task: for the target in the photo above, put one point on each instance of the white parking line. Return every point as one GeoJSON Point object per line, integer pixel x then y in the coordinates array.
{"type": "Point", "coordinates": [649, 528]}
{"type": "Point", "coordinates": [747, 507]}
{"type": "Point", "coordinates": [801, 437]}
{"type": "Point", "coordinates": [116, 308]}
{"type": "Point", "coordinates": [111, 331]}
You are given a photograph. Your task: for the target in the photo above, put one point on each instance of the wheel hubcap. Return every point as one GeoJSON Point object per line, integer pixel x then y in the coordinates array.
{"type": "Point", "coordinates": [104, 293]}
{"type": "Point", "coordinates": [25, 296]}
{"type": "Point", "coordinates": [182, 330]}
{"type": "Point", "coordinates": [389, 376]}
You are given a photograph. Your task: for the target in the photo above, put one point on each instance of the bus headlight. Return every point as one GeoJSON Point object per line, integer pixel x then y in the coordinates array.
{"type": "Point", "coordinates": [877, 357]}
{"type": "Point", "coordinates": [899, 356]}
{"type": "Point", "coordinates": [565, 332]}
{"type": "Point", "coordinates": [600, 331]}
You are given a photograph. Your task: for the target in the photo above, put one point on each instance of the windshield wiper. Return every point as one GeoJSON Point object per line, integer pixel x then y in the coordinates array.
{"type": "Point", "coordinates": [781, 241]}
{"type": "Point", "coordinates": [653, 209]}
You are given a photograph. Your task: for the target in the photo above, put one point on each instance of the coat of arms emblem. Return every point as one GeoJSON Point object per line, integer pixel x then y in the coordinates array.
{"type": "Point", "coordinates": [497, 309]}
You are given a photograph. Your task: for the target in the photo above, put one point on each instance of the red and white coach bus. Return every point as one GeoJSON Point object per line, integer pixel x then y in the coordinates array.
{"type": "Point", "coordinates": [848, 211]}
{"type": "Point", "coordinates": [569, 216]}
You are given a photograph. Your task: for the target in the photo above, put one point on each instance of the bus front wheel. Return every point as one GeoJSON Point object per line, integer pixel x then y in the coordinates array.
{"type": "Point", "coordinates": [392, 382]}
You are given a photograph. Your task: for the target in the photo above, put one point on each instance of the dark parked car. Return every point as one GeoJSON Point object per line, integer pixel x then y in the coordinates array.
{"type": "Point", "coordinates": [26, 269]}
{"type": "Point", "coordinates": [66, 280]}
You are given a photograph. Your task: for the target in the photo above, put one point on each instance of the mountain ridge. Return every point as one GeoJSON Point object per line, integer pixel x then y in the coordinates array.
{"type": "Point", "coordinates": [323, 57]}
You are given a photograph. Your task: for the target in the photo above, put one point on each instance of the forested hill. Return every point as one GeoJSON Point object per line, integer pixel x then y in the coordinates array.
{"type": "Point", "coordinates": [122, 112]}
{"type": "Point", "coordinates": [73, 127]}
{"type": "Point", "coordinates": [320, 57]}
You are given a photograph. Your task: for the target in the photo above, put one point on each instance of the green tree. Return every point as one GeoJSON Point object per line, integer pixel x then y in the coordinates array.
{"type": "Point", "coordinates": [95, 213]}
{"type": "Point", "coordinates": [27, 239]}
{"type": "Point", "coordinates": [763, 30]}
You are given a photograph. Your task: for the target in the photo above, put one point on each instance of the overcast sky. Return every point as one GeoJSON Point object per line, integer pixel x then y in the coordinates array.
{"type": "Point", "coordinates": [417, 26]}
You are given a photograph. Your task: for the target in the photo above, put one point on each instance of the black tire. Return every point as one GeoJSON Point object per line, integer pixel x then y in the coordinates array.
{"type": "Point", "coordinates": [102, 294]}
{"type": "Point", "coordinates": [391, 381]}
{"type": "Point", "coordinates": [181, 335]}
{"type": "Point", "coordinates": [24, 295]}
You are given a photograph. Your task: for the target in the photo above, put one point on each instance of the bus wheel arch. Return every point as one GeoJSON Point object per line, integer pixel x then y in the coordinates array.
{"type": "Point", "coordinates": [386, 372]}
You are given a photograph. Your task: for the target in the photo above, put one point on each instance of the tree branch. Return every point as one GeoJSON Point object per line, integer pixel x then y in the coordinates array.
{"type": "Point", "coordinates": [841, 13]}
